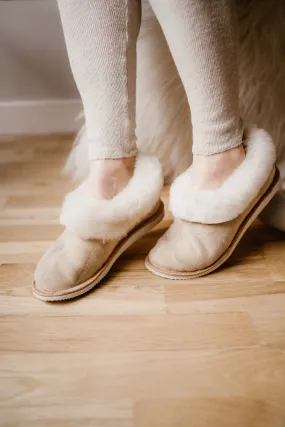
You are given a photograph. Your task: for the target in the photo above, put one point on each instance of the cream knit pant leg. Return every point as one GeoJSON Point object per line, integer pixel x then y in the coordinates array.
{"type": "Point", "coordinates": [101, 40]}
{"type": "Point", "coordinates": [202, 37]}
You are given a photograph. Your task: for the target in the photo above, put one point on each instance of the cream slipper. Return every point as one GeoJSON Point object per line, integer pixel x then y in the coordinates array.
{"type": "Point", "coordinates": [209, 224]}
{"type": "Point", "coordinates": [98, 232]}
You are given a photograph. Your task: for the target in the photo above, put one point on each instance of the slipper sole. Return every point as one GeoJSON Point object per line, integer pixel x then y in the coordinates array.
{"type": "Point", "coordinates": [256, 210]}
{"type": "Point", "coordinates": [138, 232]}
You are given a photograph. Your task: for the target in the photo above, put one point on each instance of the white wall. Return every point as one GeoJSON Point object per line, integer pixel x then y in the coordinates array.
{"type": "Point", "coordinates": [34, 69]}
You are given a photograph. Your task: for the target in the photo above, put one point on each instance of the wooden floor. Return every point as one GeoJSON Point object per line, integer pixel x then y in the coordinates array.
{"type": "Point", "coordinates": [138, 351]}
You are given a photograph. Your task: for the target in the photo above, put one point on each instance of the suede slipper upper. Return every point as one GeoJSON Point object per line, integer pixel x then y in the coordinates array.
{"type": "Point", "coordinates": [98, 232]}
{"type": "Point", "coordinates": [209, 224]}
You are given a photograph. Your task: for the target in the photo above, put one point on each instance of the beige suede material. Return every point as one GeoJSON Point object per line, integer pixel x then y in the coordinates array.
{"type": "Point", "coordinates": [189, 246]}
{"type": "Point", "coordinates": [71, 261]}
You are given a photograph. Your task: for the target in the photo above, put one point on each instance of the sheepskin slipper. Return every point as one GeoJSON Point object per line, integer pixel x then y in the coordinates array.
{"type": "Point", "coordinates": [98, 232]}
{"type": "Point", "coordinates": [209, 224]}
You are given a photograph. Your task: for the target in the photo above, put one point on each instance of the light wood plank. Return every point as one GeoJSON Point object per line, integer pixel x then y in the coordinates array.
{"type": "Point", "coordinates": [41, 379]}
{"type": "Point", "coordinates": [103, 414]}
{"type": "Point", "coordinates": [205, 412]}
{"type": "Point", "coordinates": [128, 333]}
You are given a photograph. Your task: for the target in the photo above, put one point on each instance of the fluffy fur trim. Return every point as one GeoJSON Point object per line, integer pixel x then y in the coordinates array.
{"type": "Point", "coordinates": [189, 202]}
{"type": "Point", "coordinates": [92, 218]}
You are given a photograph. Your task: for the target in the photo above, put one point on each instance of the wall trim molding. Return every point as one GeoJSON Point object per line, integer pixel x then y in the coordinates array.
{"type": "Point", "coordinates": [43, 116]}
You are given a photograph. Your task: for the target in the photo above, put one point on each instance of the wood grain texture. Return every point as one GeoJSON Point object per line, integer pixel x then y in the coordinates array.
{"type": "Point", "coordinates": [138, 351]}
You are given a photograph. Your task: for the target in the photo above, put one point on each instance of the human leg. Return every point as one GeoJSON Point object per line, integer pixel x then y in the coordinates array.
{"type": "Point", "coordinates": [232, 169]}
{"type": "Point", "coordinates": [119, 202]}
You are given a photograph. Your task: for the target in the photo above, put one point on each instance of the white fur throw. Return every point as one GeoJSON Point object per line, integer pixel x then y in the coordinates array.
{"type": "Point", "coordinates": [92, 218]}
{"type": "Point", "coordinates": [225, 203]}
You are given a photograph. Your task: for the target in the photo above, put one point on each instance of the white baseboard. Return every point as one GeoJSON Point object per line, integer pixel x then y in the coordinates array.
{"type": "Point", "coordinates": [32, 117]}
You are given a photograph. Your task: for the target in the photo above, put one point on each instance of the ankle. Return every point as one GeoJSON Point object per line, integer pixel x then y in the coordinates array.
{"type": "Point", "coordinates": [211, 171]}
{"type": "Point", "coordinates": [108, 177]}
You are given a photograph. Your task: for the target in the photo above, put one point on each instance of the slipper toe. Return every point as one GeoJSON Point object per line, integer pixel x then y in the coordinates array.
{"type": "Point", "coordinates": [70, 261]}
{"type": "Point", "coordinates": [190, 247]}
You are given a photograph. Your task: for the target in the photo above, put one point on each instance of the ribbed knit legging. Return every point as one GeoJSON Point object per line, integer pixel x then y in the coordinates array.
{"type": "Point", "coordinates": [101, 38]}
